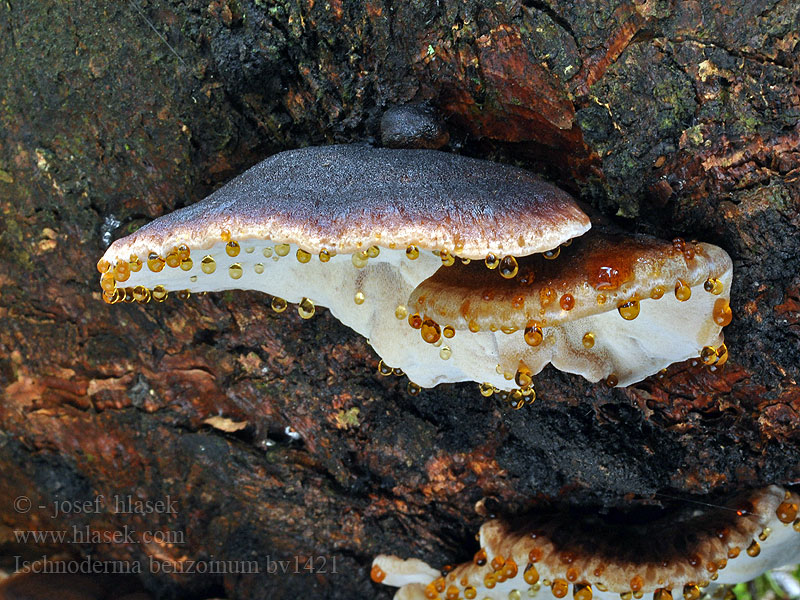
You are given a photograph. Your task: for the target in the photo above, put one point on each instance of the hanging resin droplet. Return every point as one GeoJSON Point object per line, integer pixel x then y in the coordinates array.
{"type": "Point", "coordinates": [258, 268]}
{"type": "Point", "coordinates": [430, 331]}
{"type": "Point", "coordinates": [486, 389]}
{"type": "Point", "coordinates": [401, 312]}
{"type": "Point", "coordinates": [278, 304]}
{"type": "Point", "coordinates": [492, 262]}
{"type": "Point", "coordinates": [445, 352]}
{"type": "Point", "coordinates": [413, 388]}
{"type": "Point", "coordinates": [159, 293]}
{"type": "Point", "coordinates": [708, 355]}
{"type": "Point", "coordinates": [373, 251]}
{"type": "Point", "coordinates": [552, 254]}
{"type": "Point", "coordinates": [324, 255]}
{"type": "Point", "coordinates": [359, 298]}
{"type": "Point", "coordinates": [303, 256]}
{"type": "Point", "coordinates": [508, 267]}
{"type": "Point", "coordinates": [713, 286]}
{"type": "Point", "coordinates": [306, 308]}
{"type": "Point", "coordinates": [154, 262]}
{"type": "Point", "coordinates": [208, 265]}
{"type": "Point", "coordinates": [235, 271]}
{"type": "Point", "coordinates": [588, 340]}
{"type": "Point", "coordinates": [629, 311]}
{"type": "Point", "coordinates": [282, 249]}
{"type": "Point", "coordinates": [232, 248]}
{"type": "Point", "coordinates": [722, 312]}
{"type": "Point", "coordinates": [682, 291]}
{"type": "Point", "coordinates": [412, 252]}
{"type": "Point", "coordinates": [533, 333]}
{"type": "Point", "coordinates": [415, 321]}
{"type": "Point", "coordinates": [359, 260]}
{"type": "Point", "coordinates": [187, 264]}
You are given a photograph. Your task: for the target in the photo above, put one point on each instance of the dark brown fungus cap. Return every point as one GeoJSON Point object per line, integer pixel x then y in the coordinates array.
{"type": "Point", "coordinates": [346, 198]}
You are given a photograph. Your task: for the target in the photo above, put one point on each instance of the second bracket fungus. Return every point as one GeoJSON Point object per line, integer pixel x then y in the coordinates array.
{"type": "Point", "coordinates": [357, 229]}
{"type": "Point", "coordinates": [666, 555]}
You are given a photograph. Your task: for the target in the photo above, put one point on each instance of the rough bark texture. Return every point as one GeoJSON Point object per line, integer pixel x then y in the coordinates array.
{"type": "Point", "coordinates": [676, 118]}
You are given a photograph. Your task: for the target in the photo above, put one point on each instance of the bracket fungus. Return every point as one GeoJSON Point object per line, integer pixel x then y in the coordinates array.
{"type": "Point", "coordinates": [677, 553]}
{"type": "Point", "coordinates": [358, 229]}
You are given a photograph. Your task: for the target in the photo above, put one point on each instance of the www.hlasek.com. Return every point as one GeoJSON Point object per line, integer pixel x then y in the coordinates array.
{"type": "Point", "coordinates": [87, 535]}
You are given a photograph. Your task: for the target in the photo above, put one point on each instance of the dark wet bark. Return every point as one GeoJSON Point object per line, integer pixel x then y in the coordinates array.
{"type": "Point", "coordinates": [675, 118]}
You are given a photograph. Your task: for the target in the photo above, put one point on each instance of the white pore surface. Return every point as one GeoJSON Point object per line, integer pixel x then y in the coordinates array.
{"type": "Point", "coordinates": [386, 282]}
{"type": "Point", "coordinates": [666, 330]}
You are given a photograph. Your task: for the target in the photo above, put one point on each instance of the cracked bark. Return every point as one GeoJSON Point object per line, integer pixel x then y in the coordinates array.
{"type": "Point", "coordinates": [674, 118]}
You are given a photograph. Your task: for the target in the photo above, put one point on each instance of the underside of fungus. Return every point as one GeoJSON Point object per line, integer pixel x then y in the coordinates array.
{"type": "Point", "coordinates": [383, 238]}
{"type": "Point", "coordinates": [665, 554]}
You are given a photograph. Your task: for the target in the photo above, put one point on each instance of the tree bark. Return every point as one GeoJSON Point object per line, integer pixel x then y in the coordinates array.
{"type": "Point", "coordinates": [673, 118]}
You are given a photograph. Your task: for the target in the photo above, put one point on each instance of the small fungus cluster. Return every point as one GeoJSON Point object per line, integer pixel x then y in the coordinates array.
{"type": "Point", "coordinates": [679, 554]}
{"type": "Point", "coordinates": [455, 269]}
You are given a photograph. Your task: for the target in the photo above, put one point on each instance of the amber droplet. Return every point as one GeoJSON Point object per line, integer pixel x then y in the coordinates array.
{"type": "Point", "coordinates": [546, 296]}
{"type": "Point", "coordinates": [492, 262]}
{"type": "Point", "coordinates": [384, 369]}
{"type": "Point", "coordinates": [184, 295]}
{"type": "Point", "coordinates": [415, 321]}
{"type": "Point", "coordinates": [186, 264]}
{"type": "Point", "coordinates": [373, 252]}
{"type": "Point", "coordinates": [510, 569]}
{"type": "Point", "coordinates": [530, 575]}
{"type": "Point", "coordinates": [258, 268]}
{"type": "Point", "coordinates": [583, 591]}
{"type": "Point", "coordinates": [607, 278]}
{"type": "Point", "coordinates": [173, 258]}
{"type": "Point", "coordinates": [588, 340]}
{"type": "Point", "coordinates": [612, 380]}
{"type": "Point", "coordinates": [489, 580]}
{"type": "Point", "coordinates": [552, 254]}
{"type": "Point", "coordinates": [508, 267]}
{"type": "Point", "coordinates": [413, 388]}
{"type": "Point", "coordinates": [235, 271]}
{"type": "Point", "coordinates": [154, 262]}
{"type": "Point", "coordinates": [122, 271]}
{"type": "Point", "coordinates": [232, 248]}
{"type": "Point", "coordinates": [734, 552]}
{"type": "Point", "coordinates": [523, 377]}
{"type": "Point", "coordinates": [560, 588]}
{"type": "Point", "coordinates": [401, 312]}
{"type": "Point", "coordinates": [754, 549]}
{"type": "Point", "coordinates": [486, 389]}
{"type": "Point", "coordinates": [267, 252]}
{"type": "Point", "coordinates": [412, 253]}
{"type": "Point", "coordinates": [303, 256]}
{"type": "Point", "coordinates": [306, 308]}
{"type": "Point", "coordinates": [470, 592]}
{"type": "Point", "coordinates": [480, 557]}
{"type": "Point", "coordinates": [103, 265]}
{"type": "Point", "coordinates": [498, 562]}
{"type": "Point", "coordinates": [629, 311]}
{"type": "Point", "coordinates": [722, 312]}
{"type": "Point", "coordinates": [447, 259]}
{"type": "Point", "coordinates": [278, 304]}
{"type": "Point", "coordinates": [445, 353]}
{"type": "Point", "coordinates": [713, 286]}
{"type": "Point", "coordinates": [107, 281]}
{"type": "Point", "coordinates": [567, 302]}
{"type": "Point", "coordinates": [359, 297]}
{"type": "Point", "coordinates": [636, 583]}
{"type": "Point", "coordinates": [601, 299]}
{"type": "Point", "coordinates": [208, 265]}
{"type": "Point", "coordinates": [682, 291]}
{"type": "Point", "coordinates": [359, 260]}
{"type": "Point", "coordinates": [448, 331]}
{"type": "Point", "coordinates": [535, 555]}
{"type": "Point", "coordinates": [282, 249]}
{"type": "Point", "coordinates": [708, 355]}
{"type": "Point", "coordinates": [691, 592]}
{"type": "Point", "coordinates": [722, 355]}
{"type": "Point", "coordinates": [786, 511]}
{"type": "Point", "coordinates": [533, 333]}
{"type": "Point", "coordinates": [657, 292]}
{"type": "Point", "coordinates": [764, 534]}
{"type": "Point", "coordinates": [473, 326]}
{"type": "Point", "coordinates": [159, 293]}
{"type": "Point", "coordinates": [376, 574]}
{"type": "Point", "coordinates": [324, 255]}
{"type": "Point", "coordinates": [141, 294]}
{"type": "Point", "coordinates": [430, 331]}
{"type": "Point", "coordinates": [135, 263]}
{"type": "Point", "coordinates": [662, 594]}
